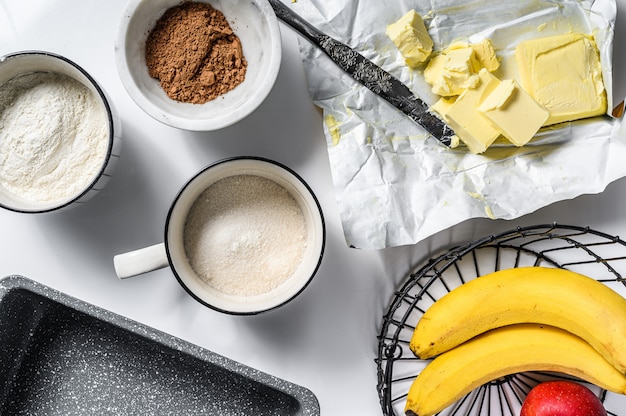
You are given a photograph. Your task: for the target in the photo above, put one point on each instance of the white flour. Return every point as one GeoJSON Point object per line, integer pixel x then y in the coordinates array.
{"type": "Point", "coordinates": [245, 235]}
{"type": "Point", "coordinates": [53, 137]}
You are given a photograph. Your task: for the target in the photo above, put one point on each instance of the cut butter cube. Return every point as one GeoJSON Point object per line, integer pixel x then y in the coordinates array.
{"type": "Point", "coordinates": [486, 55]}
{"type": "Point", "coordinates": [513, 112]}
{"type": "Point", "coordinates": [453, 71]}
{"type": "Point", "coordinates": [443, 105]}
{"type": "Point", "coordinates": [475, 130]}
{"type": "Point", "coordinates": [411, 37]}
{"type": "Point", "coordinates": [462, 59]}
{"type": "Point", "coordinates": [564, 75]}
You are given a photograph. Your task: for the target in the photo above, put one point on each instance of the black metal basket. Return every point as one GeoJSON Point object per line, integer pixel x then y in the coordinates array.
{"type": "Point", "coordinates": [579, 249]}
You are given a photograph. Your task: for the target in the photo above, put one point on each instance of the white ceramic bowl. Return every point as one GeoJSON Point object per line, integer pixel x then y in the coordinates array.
{"type": "Point", "coordinates": [256, 25]}
{"type": "Point", "coordinates": [27, 62]}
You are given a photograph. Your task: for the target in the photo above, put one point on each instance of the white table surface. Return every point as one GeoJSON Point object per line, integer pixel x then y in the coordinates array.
{"type": "Point", "coordinates": [324, 340]}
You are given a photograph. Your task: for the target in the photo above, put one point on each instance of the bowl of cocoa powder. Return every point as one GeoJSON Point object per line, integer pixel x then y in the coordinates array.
{"type": "Point", "coordinates": [198, 65]}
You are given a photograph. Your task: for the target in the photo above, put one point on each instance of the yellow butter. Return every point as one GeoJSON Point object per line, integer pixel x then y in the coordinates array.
{"type": "Point", "coordinates": [513, 112]}
{"type": "Point", "coordinates": [475, 130]}
{"type": "Point", "coordinates": [564, 75]}
{"type": "Point", "coordinates": [443, 105]}
{"type": "Point", "coordinates": [411, 37]}
{"type": "Point", "coordinates": [486, 55]}
{"type": "Point", "coordinates": [499, 97]}
{"type": "Point", "coordinates": [462, 59]}
{"type": "Point", "coordinates": [333, 128]}
{"type": "Point", "coordinates": [453, 71]}
{"type": "Point", "coordinates": [433, 74]}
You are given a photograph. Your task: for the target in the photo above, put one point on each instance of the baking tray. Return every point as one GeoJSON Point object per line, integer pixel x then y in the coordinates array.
{"type": "Point", "coordinates": [576, 248]}
{"type": "Point", "coordinates": [62, 356]}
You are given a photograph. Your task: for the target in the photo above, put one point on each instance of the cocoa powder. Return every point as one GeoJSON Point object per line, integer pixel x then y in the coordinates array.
{"type": "Point", "coordinates": [194, 53]}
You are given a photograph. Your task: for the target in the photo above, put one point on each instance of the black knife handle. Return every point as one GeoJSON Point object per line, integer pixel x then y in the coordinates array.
{"type": "Point", "coordinates": [369, 74]}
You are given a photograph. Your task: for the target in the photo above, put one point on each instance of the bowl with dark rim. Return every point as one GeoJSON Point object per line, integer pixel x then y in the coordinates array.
{"type": "Point", "coordinates": [21, 73]}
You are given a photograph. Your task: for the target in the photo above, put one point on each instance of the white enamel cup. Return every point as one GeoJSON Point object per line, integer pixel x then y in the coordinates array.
{"type": "Point", "coordinates": [172, 251]}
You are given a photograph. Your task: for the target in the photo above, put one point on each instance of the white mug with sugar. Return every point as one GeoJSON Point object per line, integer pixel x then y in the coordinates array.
{"type": "Point", "coordinates": [243, 236]}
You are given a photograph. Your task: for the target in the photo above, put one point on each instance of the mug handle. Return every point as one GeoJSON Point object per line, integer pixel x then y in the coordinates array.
{"type": "Point", "coordinates": [140, 261]}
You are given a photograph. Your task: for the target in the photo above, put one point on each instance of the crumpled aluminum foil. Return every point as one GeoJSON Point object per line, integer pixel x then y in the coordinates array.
{"type": "Point", "coordinates": [394, 184]}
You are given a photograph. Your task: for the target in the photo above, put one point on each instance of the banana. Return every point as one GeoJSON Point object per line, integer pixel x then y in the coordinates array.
{"type": "Point", "coordinates": [556, 297]}
{"type": "Point", "coordinates": [503, 351]}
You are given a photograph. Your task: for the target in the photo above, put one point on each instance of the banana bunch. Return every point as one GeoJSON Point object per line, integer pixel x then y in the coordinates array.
{"type": "Point", "coordinates": [521, 319]}
{"type": "Point", "coordinates": [503, 351]}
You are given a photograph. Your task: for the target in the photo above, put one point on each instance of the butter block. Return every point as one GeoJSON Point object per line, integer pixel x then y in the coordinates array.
{"type": "Point", "coordinates": [486, 55]}
{"type": "Point", "coordinates": [453, 71]}
{"type": "Point", "coordinates": [513, 112]}
{"type": "Point", "coordinates": [443, 105]}
{"type": "Point", "coordinates": [499, 97]}
{"type": "Point", "coordinates": [475, 130]}
{"type": "Point", "coordinates": [433, 74]}
{"type": "Point", "coordinates": [564, 75]}
{"type": "Point", "coordinates": [411, 37]}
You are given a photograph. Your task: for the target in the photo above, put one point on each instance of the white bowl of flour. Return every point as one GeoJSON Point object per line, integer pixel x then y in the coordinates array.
{"type": "Point", "coordinates": [59, 135]}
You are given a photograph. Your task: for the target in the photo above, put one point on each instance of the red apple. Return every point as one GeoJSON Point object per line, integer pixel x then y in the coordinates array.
{"type": "Point", "coordinates": [562, 398]}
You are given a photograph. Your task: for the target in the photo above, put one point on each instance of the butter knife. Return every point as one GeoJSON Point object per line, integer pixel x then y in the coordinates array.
{"type": "Point", "coordinates": [369, 74]}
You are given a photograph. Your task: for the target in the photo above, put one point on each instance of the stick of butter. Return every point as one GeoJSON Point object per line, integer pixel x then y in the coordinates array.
{"type": "Point", "coordinates": [513, 112]}
{"type": "Point", "coordinates": [410, 36]}
{"type": "Point", "coordinates": [475, 130]}
{"type": "Point", "coordinates": [564, 75]}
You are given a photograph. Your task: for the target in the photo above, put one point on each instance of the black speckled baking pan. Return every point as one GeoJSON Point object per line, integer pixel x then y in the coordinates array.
{"type": "Point", "coordinates": [62, 356]}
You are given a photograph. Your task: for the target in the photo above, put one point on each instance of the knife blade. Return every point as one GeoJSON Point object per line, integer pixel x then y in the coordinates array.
{"type": "Point", "coordinates": [370, 75]}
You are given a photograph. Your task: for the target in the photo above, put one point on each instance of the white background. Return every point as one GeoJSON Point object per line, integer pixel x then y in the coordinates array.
{"type": "Point", "coordinates": [324, 340]}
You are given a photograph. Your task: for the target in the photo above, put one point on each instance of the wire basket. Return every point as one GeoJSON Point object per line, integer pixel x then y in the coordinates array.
{"type": "Point", "coordinates": [578, 249]}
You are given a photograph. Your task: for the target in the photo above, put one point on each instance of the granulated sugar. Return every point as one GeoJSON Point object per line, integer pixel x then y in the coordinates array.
{"type": "Point", "coordinates": [245, 235]}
